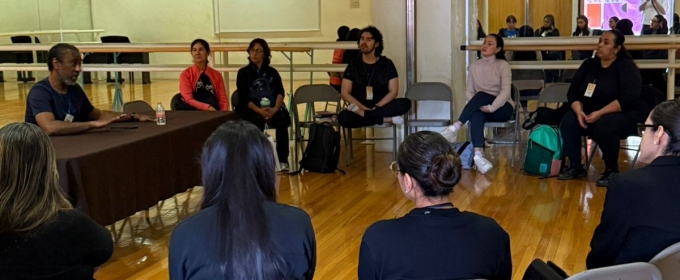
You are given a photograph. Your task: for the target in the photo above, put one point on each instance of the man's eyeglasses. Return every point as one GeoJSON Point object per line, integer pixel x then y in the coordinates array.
{"type": "Point", "coordinates": [395, 169]}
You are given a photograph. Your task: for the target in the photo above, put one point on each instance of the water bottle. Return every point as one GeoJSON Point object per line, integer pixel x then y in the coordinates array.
{"type": "Point", "coordinates": [264, 103]}
{"type": "Point", "coordinates": [160, 114]}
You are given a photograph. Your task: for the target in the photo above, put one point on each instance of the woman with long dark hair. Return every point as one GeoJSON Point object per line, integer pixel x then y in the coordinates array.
{"type": "Point", "coordinates": [241, 233]}
{"type": "Point", "coordinates": [261, 94]}
{"type": "Point", "coordinates": [582, 30]}
{"type": "Point", "coordinates": [488, 96]}
{"type": "Point", "coordinates": [201, 87]}
{"type": "Point", "coordinates": [606, 105]}
{"type": "Point", "coordinates": [41, 235]}
{"type": "Point", "coordinates": [435, 240]}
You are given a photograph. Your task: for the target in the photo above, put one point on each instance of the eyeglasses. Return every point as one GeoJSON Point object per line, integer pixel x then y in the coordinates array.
{"type": "Point", "coordinates": [395, 169]}
{"type": "Point", "coordinates": [255, 51]}
{"type": "Point", "coordinates": [643, 127]}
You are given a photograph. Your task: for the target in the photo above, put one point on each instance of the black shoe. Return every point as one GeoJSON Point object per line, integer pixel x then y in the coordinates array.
{"type": "Point", "coordinates": [572, 172]}
{"type": "Point", "coordinates": [606, 176]}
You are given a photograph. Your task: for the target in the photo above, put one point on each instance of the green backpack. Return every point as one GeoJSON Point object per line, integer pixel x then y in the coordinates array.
{"type": "Point", "coordinates": [544, 152]}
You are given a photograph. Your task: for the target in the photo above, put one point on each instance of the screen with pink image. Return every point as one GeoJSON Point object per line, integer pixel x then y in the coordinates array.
{"type": "Point", "coordinates": [600, 11]}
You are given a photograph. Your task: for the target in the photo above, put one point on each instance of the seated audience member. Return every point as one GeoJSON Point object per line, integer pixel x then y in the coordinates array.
{"type": "Point", "coordinates": [641, 209]}
{"type": "Point", "coordinates": [605, 100]}
{"type": "Point", "coordinates": [370, 86]}
{"type": "Point", "coordinates": [675, 29]}
{"type": "Point", "coordinates": [582, 30]}
{"type": "Point", "coordinates": [655, 77]}
{"type": "Point", "coordinates": [256, 83]}
{"type": "Point", "coordinates": [548, 29]}
{"type": "Point", "coordinates": [510, 31]}
{"type": "Point", "coordinates": [658, 26]}
{"type": "Point", "coordinates": [612, 23]}
{"type": "Point", "coordinates": [335, 78]}
{"type": "Point", "coordinates": [488, 97]}
{"type": "Point", "coordinates": [41, 236]}
{"type": "Point", "coordinates": [526, 31]}
{"type": "Point", "coordinates": [201, 86]}
{"type": "Point", "coordinates": [625, 26]}
{"type": "Point", "coordinates": [241, 232]}
{"type": "Point", "coordinates": [59, 105]}
{"type": "Point", "coordinates": [435, 240]}
{"type": "Point", "coordinates": [353, 36]}
{"type": "Point", "coordinates": [649, 9]}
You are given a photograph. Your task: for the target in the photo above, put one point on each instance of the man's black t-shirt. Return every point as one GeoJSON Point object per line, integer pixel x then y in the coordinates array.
{"type": "Point", "coordinates": [44, 98]}
{"type": "Point", "coordinates": [377, 75]}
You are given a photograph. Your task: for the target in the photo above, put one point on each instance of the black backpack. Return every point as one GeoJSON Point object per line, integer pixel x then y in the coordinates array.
{"type": "Point", "coordinates": [323, 150]}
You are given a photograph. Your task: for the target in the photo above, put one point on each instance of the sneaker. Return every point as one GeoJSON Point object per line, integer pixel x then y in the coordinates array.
{"type": "Point", "coordinates": [352, 108]}
{"type": "Point", "coordinates": [397, 120]}
{"type": "Point", "coordinates": [482, 164]}
{"type": "Point", "coordinates": [450, 133]}
{"type": "Point", "coordinates": [284, 167]}
{"type": "Point", "coordinates": [606, 176]}
{"type": "Point", "coordinates": [572, 172]}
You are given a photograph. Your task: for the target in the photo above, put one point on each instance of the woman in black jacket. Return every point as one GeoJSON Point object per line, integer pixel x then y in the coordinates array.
{"type": "Point", "coordinates": [641, 209]}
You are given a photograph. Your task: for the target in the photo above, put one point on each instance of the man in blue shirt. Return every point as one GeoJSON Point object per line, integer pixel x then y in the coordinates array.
{"type": "Point", "coordinates": [59, 105]}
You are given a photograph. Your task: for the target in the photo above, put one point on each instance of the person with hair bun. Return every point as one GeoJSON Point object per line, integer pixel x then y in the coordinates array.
{"type": "Point", "coordinates": [641, 209]}
{"type": "Point", "coordinates": [435, 240]}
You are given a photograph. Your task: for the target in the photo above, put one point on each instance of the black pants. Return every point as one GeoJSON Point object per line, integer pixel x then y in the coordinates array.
{"type": "Point", "coordinates": [606, 132]}
{"type": "Point", "coordinates": [477, 118]}
{"type": "Point", "coordinates": [279, 121]}
{"type": "Point", "coordinates": [396, 107]}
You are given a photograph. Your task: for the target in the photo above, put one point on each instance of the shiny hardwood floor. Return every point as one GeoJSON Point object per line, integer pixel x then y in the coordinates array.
{"type": "Point", "coordinates": [547, 219]}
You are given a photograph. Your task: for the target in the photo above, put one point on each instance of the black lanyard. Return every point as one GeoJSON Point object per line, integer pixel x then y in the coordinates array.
{"type": "Point", "coordinates": [369, 78]}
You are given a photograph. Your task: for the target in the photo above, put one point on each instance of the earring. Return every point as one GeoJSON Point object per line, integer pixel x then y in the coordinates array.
{"type": "Point", "coordinates": [655, 142]}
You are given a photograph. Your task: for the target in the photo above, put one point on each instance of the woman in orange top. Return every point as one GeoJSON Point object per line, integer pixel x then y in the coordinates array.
{"type": "Point", "coordinates": [202, 87]}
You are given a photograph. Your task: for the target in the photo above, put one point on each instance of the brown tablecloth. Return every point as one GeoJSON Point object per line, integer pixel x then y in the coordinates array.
{"type": "Point", "coordinates": [111, 174]}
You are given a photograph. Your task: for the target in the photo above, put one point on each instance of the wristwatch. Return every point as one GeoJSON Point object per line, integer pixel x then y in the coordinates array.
{"type": "Point", "coordinates": [132, 117]}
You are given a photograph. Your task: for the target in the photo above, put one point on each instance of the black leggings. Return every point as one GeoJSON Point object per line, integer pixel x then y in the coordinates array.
{"type": "Point", "coordinates": [477, 118]}
{"type": "Point", "coordinates": [397, 107]}
{"type": "Point", "coordinates": [279, 121]}
{"type": "Point", "coordinates": [606, 132]}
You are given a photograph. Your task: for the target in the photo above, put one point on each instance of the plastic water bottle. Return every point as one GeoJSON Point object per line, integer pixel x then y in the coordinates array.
{"type": "Point", "coordinates": [264, 103]}
{"type": "Point", "coordinates": [160, 114]}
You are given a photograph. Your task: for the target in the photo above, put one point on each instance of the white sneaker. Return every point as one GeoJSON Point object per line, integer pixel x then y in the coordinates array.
{"type": "Point", "coordinates": [397, 120]}
{"type": "Point", "coordinates": [483, 165]}
{"type": "Point", "coordinates": [284, 167]}
{"type": "Point", "coordinates": [450, 133]}
{"type": "Point", "coordinates": [352, 108]}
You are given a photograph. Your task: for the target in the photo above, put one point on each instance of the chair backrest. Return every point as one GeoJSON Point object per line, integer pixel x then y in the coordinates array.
{"type": "Point", "coordinates": [430, 91]}
{"type": "Point", "coordinates": [668, 262]}
{"type": "Point", "coordinates": [136, 106]}
{"type": "Point", "coordinates": [21, 40]}
{"type": "Point", "coordinates": [554, 93]}
{"type": "Point", "coordinates": [567, 76]}
{"type": "Point", "coordinates": [234, 100]}
{"type": "Point", "coordinates": [174, 101]}
{"type": "Point", "coordinates": [315, 93]}
{"type": "Point", "coordinates": [528, 79]}
{"type": "Point", "coordinates": [114, 39]}
{"type": "Point", "coordinates": [631, 271]}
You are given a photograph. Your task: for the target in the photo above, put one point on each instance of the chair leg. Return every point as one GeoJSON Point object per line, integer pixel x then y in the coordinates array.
{"type": "Point", "coordinates": [591, 155]}
{"type": "Point", "coordinates": [637, 153]}
{"type": "Point", "coordinates": [394, 142]}
{"type": "Point", "coordinates": [348, 140]}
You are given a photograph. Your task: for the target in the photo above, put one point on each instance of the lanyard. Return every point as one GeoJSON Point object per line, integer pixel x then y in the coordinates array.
{"type": "Point", "coordinates": [372, 71]}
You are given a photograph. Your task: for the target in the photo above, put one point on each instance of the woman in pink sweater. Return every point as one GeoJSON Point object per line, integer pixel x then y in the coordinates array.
{"type": "Point", "coordinates": [489, 83]}
{"type": "Point", "coordinates": [202, 87]}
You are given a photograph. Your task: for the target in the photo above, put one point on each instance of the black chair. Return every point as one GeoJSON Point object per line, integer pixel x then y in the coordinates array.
{"type": "Point", "coordinates": [123, 58]}
{"type": "Point", "coordinates": [234, 100]}
{"type": "Point", "coordinates": [27, 57]}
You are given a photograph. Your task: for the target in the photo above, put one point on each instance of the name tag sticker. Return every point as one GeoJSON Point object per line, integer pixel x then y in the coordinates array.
{"type": "Point", "coordinates": [590, 90]}
{"type": "Point", "coordinates": [68, 118]}
{"type": "Point", "coordinates": [369, 93]}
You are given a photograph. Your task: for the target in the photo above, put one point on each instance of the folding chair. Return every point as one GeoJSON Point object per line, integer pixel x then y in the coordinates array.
{"type": "Point", "coordinates": [427, 91]}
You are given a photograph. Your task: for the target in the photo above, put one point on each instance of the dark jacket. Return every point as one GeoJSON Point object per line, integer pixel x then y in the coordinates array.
{"type": "Point", "coordinates": [641, 215]}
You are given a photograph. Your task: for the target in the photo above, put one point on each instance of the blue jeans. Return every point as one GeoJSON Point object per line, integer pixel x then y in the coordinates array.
{"type": "Point", "coordinates": [477, 118]}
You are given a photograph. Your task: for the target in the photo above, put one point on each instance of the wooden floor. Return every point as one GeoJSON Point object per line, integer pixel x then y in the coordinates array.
{"type": "Point", "coordinates": [547, 219]}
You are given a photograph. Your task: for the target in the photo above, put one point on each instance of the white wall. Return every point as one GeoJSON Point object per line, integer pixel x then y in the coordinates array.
{"type": "Point", "coordinates": [34, 15]}
{"type": "Point", "coordinates": [155, 21]}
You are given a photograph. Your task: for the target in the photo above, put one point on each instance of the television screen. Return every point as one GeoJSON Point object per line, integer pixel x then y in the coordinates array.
{"type": "Point", "coordinates": [600, 11]}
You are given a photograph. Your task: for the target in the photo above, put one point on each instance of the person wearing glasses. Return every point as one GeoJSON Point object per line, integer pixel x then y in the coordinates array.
{"type": "Point", "coordinates": [605, 100]}
{"type": "Point", "coordinates": [435, 240]}
{"type": "Point", "coordinates": [260, 95]}
{"type": "Point", "coordinates": [651, 8]}
{"type": "Point", "coordinates": [641, 209]}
